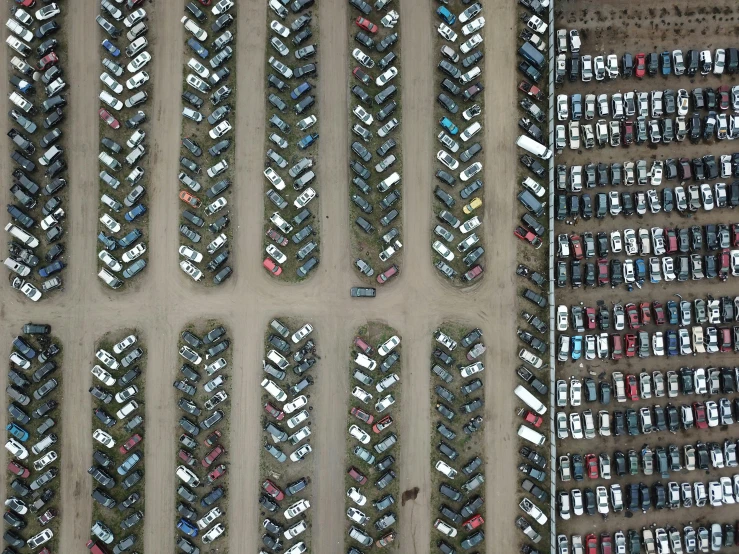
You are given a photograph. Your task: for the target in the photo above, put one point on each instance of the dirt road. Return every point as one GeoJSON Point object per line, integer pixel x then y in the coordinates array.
{"type": "Point", "coordinates": [162, 301]}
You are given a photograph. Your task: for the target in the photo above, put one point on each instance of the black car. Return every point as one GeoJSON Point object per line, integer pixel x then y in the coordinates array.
{"type": "Point", "coordinates": [449, 104]}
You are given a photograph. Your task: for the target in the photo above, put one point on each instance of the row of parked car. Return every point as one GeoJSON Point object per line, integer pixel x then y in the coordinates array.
{"type": "Point", "coordinates": [289, 355]}
{"type": "Point", "coordinates": [465, 399]}
{"type": "Point", "coordinates": [33, 359]}
{"type": "Point", "coordinates": [460, 154]}
{"type": "Point", "coordinates": [37, 209]}
{"type": "Point", "coordinates": [373, 438]}
{"type": "Point", "coordinates": [206, 75]}
{"type": "Point", "coordinates": [375, 191]}
{"type": "Point", "coordinates": [203, 468]}
{"type": "Point", "coordinates": [294, 73]}
{"type": "Point", "coordinates": [124, 217]}
{"type": "Point", "coordinates": [117, 468]}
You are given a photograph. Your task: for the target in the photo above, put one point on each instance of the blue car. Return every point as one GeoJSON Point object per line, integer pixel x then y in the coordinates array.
{"type": "Point", "coordinates": [187, 527]}
{"type": "Point", "coordinates": [448, 125]}
{"type": "Point", "coordinates": [640, 270]}
{"type": "Point", "coordinates": [110, 47]}
{"type": "Point", "coordinates": [18, 432]}
{"type": "Point", "coordinates": [671, 342]}
{"type": "Point", "coordinates": [51, 268]}
{"type": "Point", "coordinates": [448, 17]}
{"type": "Point", "coordinates": [129, 239]}
{"type": "Point", "coordinates": [307, 140]}
{"type": "Point", "coordinates": [135, 212]}
{"type": "Point", "coordinates": [576, 347]}
{"type": "Point", "coordinates": [198, 48]}
{"type": "Point", "coordinates": [666, 63]}
{"type": "Point", "coordinates": [108, 242]}
{"type": "Point", "coordinates": [672, 318]}
{"type": "Point", "coordinates": [299, 90]}
{"type": "Point", "coordinates": [24, 348]}
{"type": "Point", "coordinates": [129, 463]}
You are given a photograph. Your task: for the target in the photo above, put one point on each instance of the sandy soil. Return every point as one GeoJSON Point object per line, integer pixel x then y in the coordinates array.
{"type": "Point", "coordinates": [160, 304]}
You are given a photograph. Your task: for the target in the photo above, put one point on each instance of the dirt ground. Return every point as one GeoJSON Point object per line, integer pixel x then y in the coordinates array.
{"type": "Point", "coordinates": [647, 27]}
{"type": "Point", "coordinates": [160, 302]}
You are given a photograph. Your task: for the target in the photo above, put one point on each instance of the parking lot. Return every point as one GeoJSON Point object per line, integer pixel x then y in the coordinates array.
{"type": "Point", "coordinates": [161, 306]}
{"type": "Point", "coordinates": [610, 29]}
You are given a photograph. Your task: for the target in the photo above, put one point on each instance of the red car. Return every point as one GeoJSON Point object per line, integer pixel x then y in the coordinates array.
{"type": "Point", "coordinates": [591, 541]}
{"type": "Point", "coordinates": [277, 237]}
{"type": "Point", "coordinates": [273, 490]}
{"type": "Point", "coordinates": [576, 242]}
{"type": "Point", "coordinates": [646, 315]}
{"type": "Point", "coordinates": [632, 392]}
{"type": "Point", "coordinates": [590, 318]}
{"type": "Point", "coordinates": [366, 24]}
{"type": "Point", "coordinates": [186, 457]}
{"type": "Point", "coordinates": [130, 443]}
{"type": "Point", "coordinates": [591, 465]}
{"type": "Point", "coordinates": [272, 267]}
{"type": "Point", "coordinates": [473, 523]}
{"type": "Point", "coordinates": [632, 315]}
{"type": "Point", "coordinates": [217, 473]}
{"type": "Point", "coordinates": [724, 265]}
{"type": "Point", "coordinates": [603, 278]}
{"type": "Point", "coordinates": [630, 343]}
{"type": "Point", "coordinates": [213, 455]}
{"type": "Point", "coordinates": [659, 313]}
{"type": "Point", "coordinates": [386, 275]}
{"type": "Point", "coordinates": [361, 415]}
{"type": "Point", "coordinates": [473, 273]}
{"type": "Point", "coordinates": [627, 132]}
{"type": "Point", "coordinates": [279, 415]}
{"type": "Point", "coordinates": [531, 417]}
{"type": "Point", "coordinates": [616, 347]}
{"type": "Point", "coordinates": [670, 240]}
{"type": "Point", "coordinates": [735, 235]}
{"type": "Point", "coordinates": [383, 424]}
{"type": "Point", "coordinates": [362, 76]}
{"type": "Point", "coordinates": [211, 439]}
{"type": "Point", "coordinates": [640, 69]}
{"type": "Point", "coordinates": [531, 90]}
{"type": "Point", "coordinates": [47, 61]}
{"type": "Point", "coordinates": [699, 415]}
{"type": "Point", "coordinates": [527, 236]}
{"type": "Point", "coordinates": [606, 545]}
{"type": "Point", "coordinates": [357, 475]}
{"type": "Point", "coordinates": [109, 119]}
{"type": "Point", "coordinates": [725, 337]}
{"type": "Point", "coordinates": [26, 3]}
{"type": "Point", "coordinates": [723, 96]}
{"type": "Point", "coordinates": [17, 469]}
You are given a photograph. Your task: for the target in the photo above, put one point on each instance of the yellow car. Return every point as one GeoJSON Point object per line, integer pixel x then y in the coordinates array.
{"type": "Point", "coordinates": [472, 206]}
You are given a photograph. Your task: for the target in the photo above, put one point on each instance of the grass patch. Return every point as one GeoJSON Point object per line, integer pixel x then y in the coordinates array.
{"type": "Point", "coordinates": [282, 474]}
{"type": "Point", "coordinates": [40, 343]}
{"type": "Point", "coordinates": [369, 246]}
{"type": "Point", "coordinates": [468, 446]}
{"type": "Point", "coordinates": [113, 517]}
{"type": "Point", "coordinates": [375, 333]}
{"type": "Point", "coordinates": [292, 153]}
{"type": "Point", "coordinates": [200, 328]}
{"type": "Point", "coordinates": [120, 136]}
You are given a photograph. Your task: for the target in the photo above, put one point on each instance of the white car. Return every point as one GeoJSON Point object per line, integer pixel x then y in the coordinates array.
{"type": "Point", "coordinates": [297, 508]}
{"type": "Point", "coordinates": [359, 434]}
{"type": "Point", "coordinates": [447, 160]}
{"type": "Point", "coordinates": [276, 392]}
{"type": "Point", "coordinates": [109, 260]}
{"type": "Point", "coordinates": [295, 404]}
{"type": "Point", "coordinates": [112, 84]}
{"type": "Point", "coordinates": [297, 419]}
{"type": "Point", "coordinates": [470, 172]}
{"type": "Point", "coordinates": [219, 130]}
{"type": "Point", "coordinates": [616, 244]}
{"type": "Point", "coordinates": [446, 32]}
{"type": "Point", "coordinates": [562, 318]}
{"type": "Point", "coordinates": [274, 178]}
{"type": "Point", "coordinates": [363, 115]}
{"type": "Point", "coordinates": [357, 497]}
{"type": "Point", "coordinates": [386, 77]}
{"type": "Point", "coordinates": [16, 449]}
{"type": "Point", "coordinates": [363, 58]}
{"type": "Point", "coordinates": [361, 394]}
{"type": "Point", "coordinates": [473, 26]}
{"type": "Point", "coordinates": [304, 450]}
{"type": "Point", "coordinates": [601, 499]}
{"type": "Point", "coordinates": [574, 132]}
{"type": "Point", "coordinates": [279, 28]}
{"type": "Point", "coordinates": [119, 347]}
{"type": "Point", "coordinates": [388, 346]}
{"type": "Point", "coordinates": [446, 469]}
{"type": "Point", "coordinates": [105, 357]}
{"type": "Point", "coordinates": [470, 43]}
{"type": "Point", "coordinates": [110, 223]}
{"type": "Point", "coordinates": [442, 250]}
{"type": "Point", "coordinates": [276, 254]}
{"type": "Point", "coordinates": [103, 438]}
{"type": "Point", "coordinates": [213, 533]}
{"type": "Point", "coordinates": [190, 254]}
{"type": "Point", "coordinates": [562, 107]}
{"type": "Point", "coordinates": [48, 12]}
{"type": "Point", "coordinates": [139, 62]}
{"type": "Point", "coordinates": [209, 518]}
{"type": "Point", "coordinates": [301, 333]}
{"type": "Point", "coordinates": [385, 403]}
{"type": "Point", "coordinates": [467, 371]}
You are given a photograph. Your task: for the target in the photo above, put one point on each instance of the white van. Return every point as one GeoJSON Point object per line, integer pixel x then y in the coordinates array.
{"type": "Point", "coordinates": [18, 45]}
{"type": "Point", "coordinates": [127, 409]}
{"type": "Point", "coordinates": [533, 147]}
{"type": "Point", "coordinates": [19, 268]}
{"type": "Point", "coordinates": [20, 101]}
{"type": "Point", "coordinates": [196, 31]}
{"type": "Point", "coordinates": [530, 435]}
{"type": "Point", "coordinates": [284, 226]}
{"type": "Point", "coordinates": [272, 388]}
{"type": "Point", "coordinates": [110, 280]}
{"type": "Point", "coordinates": [44, 443]}
{"type": "Point", "coordinates": [278, 8]}
{"type": "Point", "coordinates": [187, 476]}
{"type": "Point", "coordinates": [26, 238]}
{"type": "Point", "coordinates": [471, 74]}
{"type": "Point", "coordinates": [364, 361]}
{"type": "Point", "coordinates": [109, 161]}
{"type": "Point", "coordinates": [530, 400]}
{"type": "Point", "coordinates": [389, 182]}
{"type": "Point", "coordinates": [274, 356]}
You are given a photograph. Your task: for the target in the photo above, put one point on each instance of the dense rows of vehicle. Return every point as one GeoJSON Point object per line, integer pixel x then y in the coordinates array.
{"type": "Point", "coordinates": [376, 158]}
{"type": "Point", "coordinates": [202, 383]}
{"type": "Point", "coordinates": [207, 77]}
{"type": "Point", "coordinates": [285, 491]}
{"type": "Point", "coordinates": [123, 216]}
{"type": "Point", "coordinates": [373, 440]}
{"type": "Point", "coordinates": [291, 239]}
{"type": "Point", "coordinates": [459, 425]}
{"type": "Point", "coordinates": [37, 209]}
{"type": "Point", "coordinates": [460, 133]}
{"type": "Point", "coordinates": [117, 468]}
{"type": "Point", "coordinates": [33, 430]}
